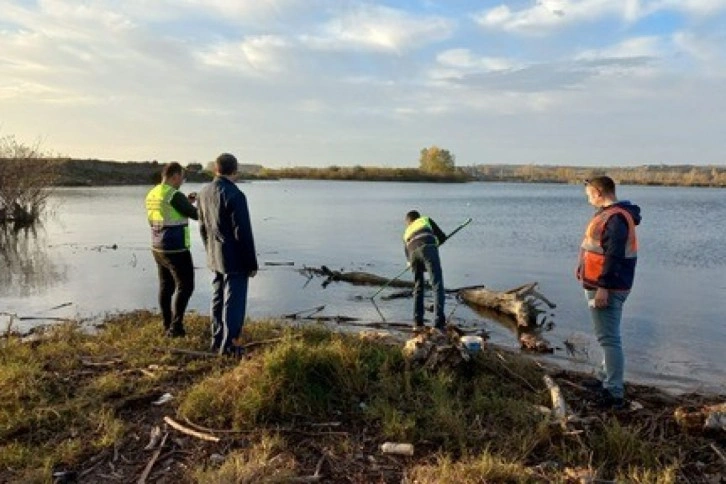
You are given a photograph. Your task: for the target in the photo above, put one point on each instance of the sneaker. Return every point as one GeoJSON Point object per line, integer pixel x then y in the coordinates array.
{"type": "Point", "coordinates": [175, 333]}
{"type": "Point", "coordinates": [234, 351]}
{"type": "Point", "coordinates": [607, 401]}
{"type": "Point", "coordinates": [592, 384]}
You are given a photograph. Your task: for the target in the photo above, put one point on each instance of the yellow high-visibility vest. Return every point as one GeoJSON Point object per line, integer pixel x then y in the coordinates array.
{"type": "Point", "coordinates": [169, 228]}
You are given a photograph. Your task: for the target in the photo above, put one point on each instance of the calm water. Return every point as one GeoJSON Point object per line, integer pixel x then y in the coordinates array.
{"type": "Point", "coordinates": [673, 325]}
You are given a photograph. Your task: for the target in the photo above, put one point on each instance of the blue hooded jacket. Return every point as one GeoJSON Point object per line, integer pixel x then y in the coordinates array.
{"type": "Point", "coordinates": [618, 272]}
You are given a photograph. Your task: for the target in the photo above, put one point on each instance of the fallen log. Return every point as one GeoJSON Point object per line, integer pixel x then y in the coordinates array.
{"type": "Point", "coordinates": [530, 339]}
{"type": "Point", "coordinates": [357, 278]}
{"type": "Point", "coordinates": [523, 303]}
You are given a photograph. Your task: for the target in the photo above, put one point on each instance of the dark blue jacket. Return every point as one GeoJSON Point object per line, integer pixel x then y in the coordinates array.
{"type": "Point", "coordinates": [224, 223]}
{"type": "Point", "coordinates": [618, 272]}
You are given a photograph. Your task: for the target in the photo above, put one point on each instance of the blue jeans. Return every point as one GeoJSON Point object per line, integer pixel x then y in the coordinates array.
{"type": "Point", "coordinates": [427, 257]}
{"type": "Point", "coordinates": [606, 323]}
{"type": "Point", "coordinates": [229, 304]}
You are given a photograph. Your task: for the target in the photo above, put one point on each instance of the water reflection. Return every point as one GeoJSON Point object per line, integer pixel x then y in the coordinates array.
{"type": "Point", "coordinates": [26, 267]}
{"type": "Point", "coordinates": [530, 338]}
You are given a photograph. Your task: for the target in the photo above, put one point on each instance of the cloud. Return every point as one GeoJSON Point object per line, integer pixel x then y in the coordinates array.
{"type": "Point", "coordinates": [636, 47]}
{"type": "Point", "coordinates": [380, 28]}
{"type": "Point", "coordinates": [464, 59]}
{"type": "Point", "coordinates": [693, 7]}
{"type": "Point", "coordinates": [248, 11]}
{"type": "Point", "coordinates": [261, 54]}
{"type": "Point", "coordinates": [547, 15]}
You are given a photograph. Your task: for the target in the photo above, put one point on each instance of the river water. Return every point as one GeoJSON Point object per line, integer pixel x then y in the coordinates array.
{"type": "Point", "coordinates": [92, 252]}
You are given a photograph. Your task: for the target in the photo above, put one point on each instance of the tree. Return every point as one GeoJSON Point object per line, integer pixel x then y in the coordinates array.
{"type": "Point", "coordinates": [437, 160]}
{"type": "Point", "coordinates": [26, 175]}
{"type": "Point", "coordinates": [194, 167]}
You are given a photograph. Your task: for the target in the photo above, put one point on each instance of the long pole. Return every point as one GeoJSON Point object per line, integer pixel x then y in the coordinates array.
{"type": "Point", "coordinates": [395, 278]}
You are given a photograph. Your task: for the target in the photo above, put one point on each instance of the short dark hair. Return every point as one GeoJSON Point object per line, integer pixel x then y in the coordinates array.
{"type": "Point", "coordinates": [171, 169]}
{"type": "Point", "coordinates": [605, 184]}
{"type": "Point", "coordinates": [226, 164]}
{"type": "Point", "coordinates": [413, 215]}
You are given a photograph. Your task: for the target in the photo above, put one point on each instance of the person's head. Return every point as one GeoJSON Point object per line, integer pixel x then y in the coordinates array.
{"type": "Point", "coordinates": [226, 165]}
{"type": "Point", "coordinates": [600, 191]}
{"type": "Point", "coordinates": [172, 174]}
{"type": "Point", "coordinates": [412, 216]}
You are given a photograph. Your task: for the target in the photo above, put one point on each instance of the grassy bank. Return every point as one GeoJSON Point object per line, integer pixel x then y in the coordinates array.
{"type": "Point", "coordinates": [307, 400]}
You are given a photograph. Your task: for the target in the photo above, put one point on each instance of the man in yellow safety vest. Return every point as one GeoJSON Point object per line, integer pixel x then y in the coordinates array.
{"type": "Point", "coordinates": [168, 211]}
{"type": "Point", "coordinates": [422, 238]}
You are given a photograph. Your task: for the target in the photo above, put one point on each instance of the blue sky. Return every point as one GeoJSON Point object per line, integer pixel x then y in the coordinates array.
{"type": "Point", "coordinates": [322, 82]}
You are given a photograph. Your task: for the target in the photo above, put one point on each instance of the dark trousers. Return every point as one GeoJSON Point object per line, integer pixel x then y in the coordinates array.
{"type": "Point", "coordinates": [427, 258]}
{"type": "Point", "coordinates": [176, 284]}
{"type": "Point", "coordinates": [229, 305]}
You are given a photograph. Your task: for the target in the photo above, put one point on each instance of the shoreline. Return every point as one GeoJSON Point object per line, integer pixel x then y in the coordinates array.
{"type": "Point", "coordinates": [85, 406]}
{"type": "Point", "coordinates": [678, 387]}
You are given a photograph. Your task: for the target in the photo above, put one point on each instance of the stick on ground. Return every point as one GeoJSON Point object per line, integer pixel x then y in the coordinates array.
{"type": "Point", "coordinates": [186, 430]}
{"type": "Point", "coordinates": [152, 461]}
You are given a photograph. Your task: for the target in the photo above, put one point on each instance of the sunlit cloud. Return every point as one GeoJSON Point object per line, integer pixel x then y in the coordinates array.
{"type": "Point", "coordinates": [380, 28]}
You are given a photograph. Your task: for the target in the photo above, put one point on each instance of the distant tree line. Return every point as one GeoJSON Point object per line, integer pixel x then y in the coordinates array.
{"type": "Point", "coordinates": [665, 175]}
{"type": "Point", "coordinates": [435, 165]}
{"type": "Point", "coordinates": [363, 173]}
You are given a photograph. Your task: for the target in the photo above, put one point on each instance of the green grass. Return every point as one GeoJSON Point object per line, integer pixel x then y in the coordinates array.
{"type": "Point", "coordinates": [57, 407]}
{"type": "Point", "coordinates": [70, 396]}
{"type": "Point", "coordinates": [268, 460]}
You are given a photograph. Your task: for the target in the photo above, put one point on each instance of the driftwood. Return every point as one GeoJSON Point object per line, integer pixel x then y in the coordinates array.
{"type": "Point", "coordinates": [522, 303]}
{"type": "Point", "coordinates": [357, 278]}
{"type": "Point", "coordinates": [433, 349]}
{"type": "Point", "coordinates": [521, 306]}
{"type": "Point", "coordinates": [705, 418]}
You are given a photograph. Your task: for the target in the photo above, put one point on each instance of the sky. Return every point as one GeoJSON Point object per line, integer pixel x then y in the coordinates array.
{"type": "Point", "coordinates": [345, 82]}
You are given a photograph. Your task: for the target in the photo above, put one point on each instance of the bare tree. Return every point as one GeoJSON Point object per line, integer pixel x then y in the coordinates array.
{"type": "Point", "coordinates": [26, 178]}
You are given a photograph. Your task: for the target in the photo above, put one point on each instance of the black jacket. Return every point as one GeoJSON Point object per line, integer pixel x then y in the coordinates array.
{"type": "Point", "coordinates": [224, 223]}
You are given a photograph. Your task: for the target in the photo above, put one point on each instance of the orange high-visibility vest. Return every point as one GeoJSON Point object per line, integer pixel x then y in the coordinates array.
{"type": "Point", "coordinates": [592, 255]}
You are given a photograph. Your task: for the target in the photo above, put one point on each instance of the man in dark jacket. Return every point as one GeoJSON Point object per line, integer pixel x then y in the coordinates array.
{"type": "Point", "coordinates": [422, 238]}
{"type": "Point", "coordinates": [606, 269]}
{"type": "Point", "coordinates": [168, 211]}
{"type": "Point", "coordinates": [224, 223]}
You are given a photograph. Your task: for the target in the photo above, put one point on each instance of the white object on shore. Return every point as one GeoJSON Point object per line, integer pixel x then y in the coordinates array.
{"type": "Point", "coordinates": [473, 344]}
{"type": "Point", "coordinates": [397, 448]}
{"type": "Point", "coordinates": [163, 399]}
{"type": "Point", "coordinates": [559, 406]}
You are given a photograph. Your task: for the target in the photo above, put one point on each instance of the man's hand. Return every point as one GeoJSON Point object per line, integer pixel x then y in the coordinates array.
{"type": "Point", "coordinates": [601, 298]}
{"type": "Point", "coordinates": [252, 274]}
{"type": "Point", "coordinates": [192, 197]}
